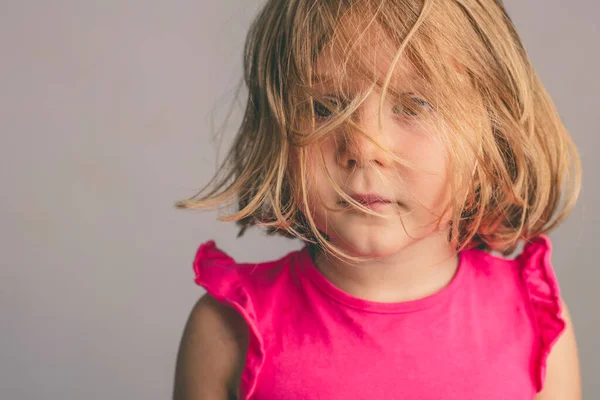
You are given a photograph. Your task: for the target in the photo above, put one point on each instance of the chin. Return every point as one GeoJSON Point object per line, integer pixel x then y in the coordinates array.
{"type": "Point", "coordinates": [380, 243]}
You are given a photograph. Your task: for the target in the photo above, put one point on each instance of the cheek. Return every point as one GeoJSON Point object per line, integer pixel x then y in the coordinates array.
{"type": "Point", "coordinates": [428, 181]}
{"type": "Point", "coordinates": [320, 169]}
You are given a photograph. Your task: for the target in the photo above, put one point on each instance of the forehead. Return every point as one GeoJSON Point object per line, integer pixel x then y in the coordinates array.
{"type": "Point", "coordinates": [356, 57]}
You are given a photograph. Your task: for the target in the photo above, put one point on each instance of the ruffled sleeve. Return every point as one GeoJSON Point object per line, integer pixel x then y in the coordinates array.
{"type": "Point", "coordinates": [544, 295]}
{"type": "Point", "coordinates": [219, 274]}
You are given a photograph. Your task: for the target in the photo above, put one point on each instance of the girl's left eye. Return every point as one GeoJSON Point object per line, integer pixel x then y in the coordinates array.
{"type": "Point", "coordinates": [412, 107]}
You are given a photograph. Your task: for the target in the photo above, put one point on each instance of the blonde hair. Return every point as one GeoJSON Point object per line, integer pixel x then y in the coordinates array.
{"type": "Point", "coordinates": [508, 147]}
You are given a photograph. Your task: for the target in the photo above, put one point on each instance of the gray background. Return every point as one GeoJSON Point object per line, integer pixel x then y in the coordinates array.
{"type": "Point", "coordinates": [107, 114]}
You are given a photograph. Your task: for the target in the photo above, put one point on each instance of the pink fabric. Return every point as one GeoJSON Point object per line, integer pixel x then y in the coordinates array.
{"type": "Point", "coordinates": [484, 336]}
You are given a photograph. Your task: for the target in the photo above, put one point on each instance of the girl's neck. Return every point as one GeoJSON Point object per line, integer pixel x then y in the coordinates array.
{"type": "Point", "coordinates": [418, 270]}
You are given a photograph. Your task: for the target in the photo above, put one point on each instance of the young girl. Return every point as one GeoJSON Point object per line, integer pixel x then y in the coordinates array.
{"type": "Point", "coordinates": [410, 145]}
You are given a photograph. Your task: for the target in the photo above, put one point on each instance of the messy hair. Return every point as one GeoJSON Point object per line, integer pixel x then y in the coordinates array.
{"type": "Point", "coordinates": [515, 170]}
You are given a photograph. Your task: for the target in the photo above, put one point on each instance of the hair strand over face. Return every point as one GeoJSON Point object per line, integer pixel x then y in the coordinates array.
{"type": "Point", "coordinates": [515, 169]}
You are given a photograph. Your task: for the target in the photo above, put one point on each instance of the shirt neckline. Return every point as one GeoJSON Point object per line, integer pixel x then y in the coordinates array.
{"type": "Point", "coordinates": [309, 268]}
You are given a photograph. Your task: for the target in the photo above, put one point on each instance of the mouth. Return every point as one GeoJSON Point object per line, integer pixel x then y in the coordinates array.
{"type": "Point", "coordinates": [371, 201]}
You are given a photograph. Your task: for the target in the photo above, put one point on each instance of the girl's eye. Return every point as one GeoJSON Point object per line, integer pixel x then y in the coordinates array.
{"type": "Point", "coordinates": [412, 107]}
{"type": "Point", "coordinates": [324, 111]}
{"type": "Point", "coordinates": [321, 110]}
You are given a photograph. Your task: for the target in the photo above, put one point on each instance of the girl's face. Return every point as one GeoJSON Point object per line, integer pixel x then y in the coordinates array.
{"type": "Point", "coordinates": [411, 196]}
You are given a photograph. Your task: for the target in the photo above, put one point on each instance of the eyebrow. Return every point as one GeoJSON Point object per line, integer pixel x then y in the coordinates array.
{"type": "Point", "coordinates": [409, 81]}
{"type": "Point", "coordinates": [410, 90]}
{"type": "Point", "coordinates": [320, 77]}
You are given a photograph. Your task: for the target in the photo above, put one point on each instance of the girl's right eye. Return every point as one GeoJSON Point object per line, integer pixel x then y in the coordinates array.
{"type": "Point", "coordinates": [324, 111]}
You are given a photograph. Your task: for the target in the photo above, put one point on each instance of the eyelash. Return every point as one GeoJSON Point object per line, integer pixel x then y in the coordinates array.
{"type": "Point", "coordinates": [322, 111]}
{"type": "Point", "coordinates": [418, 106]}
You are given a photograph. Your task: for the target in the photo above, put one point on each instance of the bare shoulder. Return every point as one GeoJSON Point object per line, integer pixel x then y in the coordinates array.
{"type": "Point", "coordinates": [212, 352]}
{"type": "Point", "coordinates": [563, 381]}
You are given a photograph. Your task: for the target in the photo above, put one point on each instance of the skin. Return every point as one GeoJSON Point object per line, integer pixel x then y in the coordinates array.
{"type": "Point", "coordinates": [563, 377]}
{"type": "Point", "coordinates": [211, 354]}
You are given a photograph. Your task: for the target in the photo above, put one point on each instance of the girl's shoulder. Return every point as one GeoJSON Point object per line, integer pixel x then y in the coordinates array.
{"type": "Point", "coordinates": [250, 289]}
{"type": "Point", "coordinates": [223, 277]}
{"type": "Point", "coordinates": [543, 292]}
{"type": "Point", "coordinates": [532, 270]}
{"type": "Point", "coordinates": [530, 277]}
{"type": "Point", "coordinates": [531, 273]}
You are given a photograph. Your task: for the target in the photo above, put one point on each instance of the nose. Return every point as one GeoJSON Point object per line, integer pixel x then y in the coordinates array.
{"type": "Point", "coordinates": [361, 146]}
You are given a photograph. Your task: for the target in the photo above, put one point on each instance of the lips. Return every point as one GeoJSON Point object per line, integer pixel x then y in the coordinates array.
{"type": "Point", "coordinates": [370, 200]}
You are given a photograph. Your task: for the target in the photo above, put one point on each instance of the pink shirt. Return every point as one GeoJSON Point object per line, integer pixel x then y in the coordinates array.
{"type": "Point", "coordinates": [484, 336]}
